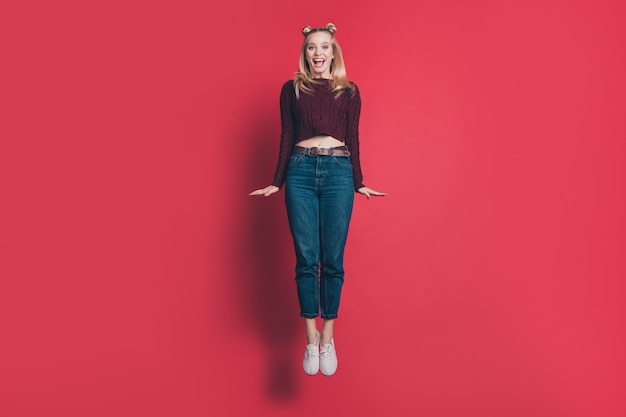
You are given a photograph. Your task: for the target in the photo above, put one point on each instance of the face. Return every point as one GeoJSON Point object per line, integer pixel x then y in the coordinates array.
{"type": "Point", "coordinates": [319, 54]}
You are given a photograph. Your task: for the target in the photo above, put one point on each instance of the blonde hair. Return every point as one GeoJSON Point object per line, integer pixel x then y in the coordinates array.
{"type": "Point", "coordinates": [304, 78]}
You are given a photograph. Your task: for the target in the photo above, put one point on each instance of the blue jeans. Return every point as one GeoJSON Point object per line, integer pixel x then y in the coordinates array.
{"type": "Point", "coordinates": [319, 195]}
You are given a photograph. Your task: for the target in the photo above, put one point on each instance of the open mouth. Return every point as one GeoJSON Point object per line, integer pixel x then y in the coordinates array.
{"type": "Point", "coordinates": [318, 62]}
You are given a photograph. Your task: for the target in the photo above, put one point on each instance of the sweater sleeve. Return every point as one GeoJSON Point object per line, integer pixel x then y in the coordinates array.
{"type": "Point", "coordinates": [352, 136]}
{"type": "Point", "coordinates": [287, 134]}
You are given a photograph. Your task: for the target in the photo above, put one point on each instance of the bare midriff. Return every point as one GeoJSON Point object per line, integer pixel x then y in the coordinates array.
{"type": "Point", "coordinates": [320, 142]}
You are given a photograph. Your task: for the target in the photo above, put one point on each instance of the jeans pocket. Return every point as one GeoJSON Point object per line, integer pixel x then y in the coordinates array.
{"type": "Point", "coordinates": [294, 159]}
{"type": "Point", "coordinates": [342, 161]}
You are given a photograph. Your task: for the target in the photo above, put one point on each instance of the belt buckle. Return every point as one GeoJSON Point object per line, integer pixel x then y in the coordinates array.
{"type": "Point", "coordinates": [313, 151]}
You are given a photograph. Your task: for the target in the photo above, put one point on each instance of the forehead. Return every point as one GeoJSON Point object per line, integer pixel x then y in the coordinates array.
{"type": "Point", "coordinates": [319, 37]}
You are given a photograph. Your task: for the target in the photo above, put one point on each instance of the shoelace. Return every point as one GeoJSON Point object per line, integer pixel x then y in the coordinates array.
{"type": "Point", "coordinates": [311, 351]}
{"type": "Point", "coordinates": [326, 350]}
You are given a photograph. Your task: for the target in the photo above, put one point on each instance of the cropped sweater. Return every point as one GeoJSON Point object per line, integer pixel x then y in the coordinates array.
{"type": "Point", "coordinates": [318, 113]}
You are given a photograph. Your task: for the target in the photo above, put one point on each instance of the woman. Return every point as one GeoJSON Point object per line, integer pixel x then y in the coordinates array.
{"type": "Point", "coordinates": [319, 164]}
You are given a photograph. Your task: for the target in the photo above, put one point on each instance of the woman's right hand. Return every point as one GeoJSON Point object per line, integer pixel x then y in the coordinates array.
{"type": "Point", "coordinates": [267, 191]}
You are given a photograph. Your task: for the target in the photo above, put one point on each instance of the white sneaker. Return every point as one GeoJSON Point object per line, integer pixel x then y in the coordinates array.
{"type": "Point", "coordinates": [311, 362]}
{"type": "Point", "coordinates": [328, 359]}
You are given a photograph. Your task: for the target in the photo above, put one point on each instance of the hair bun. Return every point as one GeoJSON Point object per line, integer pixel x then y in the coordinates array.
{"type": "Point", "coordinates": [331, 28]}
{"type": "Point", "coordinates": [306, 30]}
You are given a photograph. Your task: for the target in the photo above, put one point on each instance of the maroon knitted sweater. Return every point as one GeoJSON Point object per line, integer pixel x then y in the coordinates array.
{"type": "Point", "coordinates": [315, 114]}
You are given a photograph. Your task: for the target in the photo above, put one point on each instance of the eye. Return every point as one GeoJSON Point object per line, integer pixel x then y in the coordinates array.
{"type": "Point", "coordinates": [326, 46]}
{"type": "Point", "coordinates": [311, 47]}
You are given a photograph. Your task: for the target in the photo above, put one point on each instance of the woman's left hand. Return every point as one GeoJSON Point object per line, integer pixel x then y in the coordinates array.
{"type": "Point", "coordinates": [368, 192]}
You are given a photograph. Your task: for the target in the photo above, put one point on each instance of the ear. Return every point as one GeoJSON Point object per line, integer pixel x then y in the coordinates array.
{"type": "Point", "coordinates": [306, 30]}
{"type": "Point", "coordinates": [331, 28]}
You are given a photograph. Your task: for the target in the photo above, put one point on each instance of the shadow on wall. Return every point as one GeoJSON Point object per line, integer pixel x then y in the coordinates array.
{"type": "Point", "coordinates": [267, 265]}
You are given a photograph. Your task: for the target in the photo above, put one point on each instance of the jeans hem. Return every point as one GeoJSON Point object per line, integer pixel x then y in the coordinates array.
{"type": "Point", "coordinates": [308, 316]}
{"type": "Point", "coordinates": [329, 317]}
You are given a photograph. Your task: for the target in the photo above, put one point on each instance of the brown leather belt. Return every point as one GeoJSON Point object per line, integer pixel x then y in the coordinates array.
{"type": "Point", "coordinates": [336, 151]}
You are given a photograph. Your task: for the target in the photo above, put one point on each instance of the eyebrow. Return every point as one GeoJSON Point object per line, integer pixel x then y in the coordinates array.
{"type": "Point", "coordinates": [323, 43]}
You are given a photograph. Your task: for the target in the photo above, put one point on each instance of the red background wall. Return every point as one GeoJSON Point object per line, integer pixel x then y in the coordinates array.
{"type": "Point", "coordinates": [138, 278]}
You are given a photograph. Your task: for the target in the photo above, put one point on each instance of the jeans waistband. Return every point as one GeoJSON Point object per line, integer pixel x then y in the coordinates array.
{"type": "Point", "coordinates": [336, 151]}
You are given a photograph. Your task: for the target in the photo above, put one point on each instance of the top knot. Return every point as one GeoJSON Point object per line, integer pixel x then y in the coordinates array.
{"type": "Point", "coordinates": [330, 28]}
